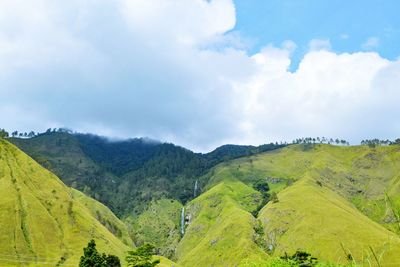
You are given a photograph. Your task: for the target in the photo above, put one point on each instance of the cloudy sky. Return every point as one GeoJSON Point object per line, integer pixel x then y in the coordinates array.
{"type": "Point", "coordinates": [202, 73]}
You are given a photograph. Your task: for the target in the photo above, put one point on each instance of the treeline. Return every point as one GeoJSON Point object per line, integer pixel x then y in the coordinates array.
{"type": "Point", "coordinates": [377, 142]}
{"type": "Point", "coordinates": [320, 140]}
{"type": "Point", "coordinates": [240, 150]}
{"type": "Point", "coordinates": [15, 134]}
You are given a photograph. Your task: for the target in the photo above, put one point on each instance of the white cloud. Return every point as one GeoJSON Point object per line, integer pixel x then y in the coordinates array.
{"type": "Point", "coordinates": [319, 44]}
{"type": "Point", "coordinates": [173, 70]}
{"type": "Point", "coordinates": [371, 43]}
{"type": "Point", "coordinates": [186, 22]}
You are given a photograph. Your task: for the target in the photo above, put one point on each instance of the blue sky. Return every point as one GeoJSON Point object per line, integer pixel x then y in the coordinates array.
{"type": "Point", "coordinates": [202, 73]}
{"type": "Point", "coordinates": [348, 25]}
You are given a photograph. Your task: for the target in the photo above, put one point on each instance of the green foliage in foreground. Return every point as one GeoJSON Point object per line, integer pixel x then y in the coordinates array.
{"type": "Point", "coordinates": [298, 259]}
{"type": "Point", "coordinates": [92, 258]}
{"type": "Point", "coordinates": [142, 257]}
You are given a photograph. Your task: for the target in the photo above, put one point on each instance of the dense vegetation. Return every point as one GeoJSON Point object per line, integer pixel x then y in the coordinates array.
{"type": "Point", "coordinates": [252, 207]}
{"type": "Point", "coordinates": [122, 174]}
{"type": "Point", "coordinates": [92, 258]}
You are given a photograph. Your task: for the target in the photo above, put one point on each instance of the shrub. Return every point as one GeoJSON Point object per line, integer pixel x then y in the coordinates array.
{"type": "Point", "coordinates": [92, 258]}
{"type": "Point", "coordinates": [142, 257]}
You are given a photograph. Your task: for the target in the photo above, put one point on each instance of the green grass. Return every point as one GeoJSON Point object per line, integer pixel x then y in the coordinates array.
{"type": "Point", "coordinates": [321, 222]}
{"type": "Point", "coordinates": [360, 174]}
{"type": "Point", "coordinates": [221, 231]}
{"type": "Point", "coordinates": [158, 225]}
{"type": "Point", "coordinates": [42, 220]}
{"type": "Point", "coordinates": [105, 216]}
{"type": "Point", "coordinates": [331, 201]}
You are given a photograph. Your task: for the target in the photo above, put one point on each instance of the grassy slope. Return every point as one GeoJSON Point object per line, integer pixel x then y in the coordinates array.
{"type": "Point", "coordinates": [158, 225]}
{"type": "Point", "coordinates": [62, 154]}
{"type": "Point", "coordinates": [316, 217]}
{"type": "Point", "coordinates": [221, 229]}
{"type": "Point", "coordinates": [319, 221]}
{"type": "Point", "coordinates": [40, 220]}
{"type": "Point", "coordinates": [104, 215]}
{"type": "Point", "coordinates": [360, 174]}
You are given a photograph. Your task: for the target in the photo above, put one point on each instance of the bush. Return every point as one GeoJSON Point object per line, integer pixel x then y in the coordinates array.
{"type": "Point", "coordinates": [142, 257]}
{"type": "Point", "coordinates": [92, 258]}
{"type": "Point", "coordinates": [301, 258]}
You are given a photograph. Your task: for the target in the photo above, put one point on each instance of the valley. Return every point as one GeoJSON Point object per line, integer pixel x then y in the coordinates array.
{"type": "Point", "coordinates": [251, 206]}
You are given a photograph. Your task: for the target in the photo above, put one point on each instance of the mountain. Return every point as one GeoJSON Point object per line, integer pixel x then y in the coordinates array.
{"type": "Point", "coordinates": [122, 174]}
{"type": "Point", "coordinates": [220, 229]}
{"type": "Point", "coordinates": [338, 203]}
{"type": "Point", "coordinates": [43, 221]}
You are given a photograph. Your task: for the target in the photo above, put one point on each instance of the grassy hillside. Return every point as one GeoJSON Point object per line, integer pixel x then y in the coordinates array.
{"type": "Point", "coordinates": [104, 215]}
{"type": "Point", "coordinates": [360, 174]}
{"type": "Point", "coordinates": [122, 174]}
{"type": "Point", "coordinates": [332, 200]}
{"type": "Point", "coordinates": [317, 220]}
{"type": "Point", "coordinates": [41, 220]}
{"type": "Point", "coordinates": [220, 229]}
{"type": "Point", "coordinates": [158, 225]}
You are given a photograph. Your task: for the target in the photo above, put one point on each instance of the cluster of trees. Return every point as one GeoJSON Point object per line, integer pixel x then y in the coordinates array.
{"type": "Point", "coordinates": [5, 134]}
{"type": "Point", "coordinates": [25, 134]}
{"type": "Point", "coordinates": [141, 257]}
{"type": "Point", "coordinates": [320, 140]}
{"type": "Point", "coordinates": [378, 142]}
{"type": "Point", "coordinates": [92, 258]}
{"type": "Point", "coordinates": [262, 186]}
{"type": "Point", "coordinates": [300, 258]}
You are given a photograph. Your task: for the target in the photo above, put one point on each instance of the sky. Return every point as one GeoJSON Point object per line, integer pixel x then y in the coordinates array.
{"type": "Point", "coordinates": [202, 73]}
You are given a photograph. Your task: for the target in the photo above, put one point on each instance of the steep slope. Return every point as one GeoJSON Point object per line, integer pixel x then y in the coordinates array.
{"type": "Point", "coordinates": [158, 225]}
{"type": "Point", "coordinates": [104, 215]}
{"type": "Point", "coordinates": [40, 221]}
{"type": "Point", "coordinates": [121, 174]}
{"type": "Point", "coordinates": [315, 219]}
{"type": "Point", "coordinates": [62, 154]}
{"type": "Point", "coordinates": [360, 174]}
{"type": "Point", "coordinates": [332, 201]}
{"type": "Point", "coordinates": [220, 229]}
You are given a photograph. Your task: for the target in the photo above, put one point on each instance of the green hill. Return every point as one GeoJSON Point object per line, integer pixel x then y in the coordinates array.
{"type": "Point", "coordinates": [332, 200]}
{"type": "Point", "coordinates": [158, 225]}
{"type": "Point", "coordinates": [341, 204]}
{"type": "Point", "coordinates": [43, 222]}
{"type": "Point", "coordinates": [360, 174]}
{"type": "Point", "coordinates": [220, 228]}
{"type": "Point", "coordinates": [121, 174]}
{"type": "Point", "coordinates": [319, 221]}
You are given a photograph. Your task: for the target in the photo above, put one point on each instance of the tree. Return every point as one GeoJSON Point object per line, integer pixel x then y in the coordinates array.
{"type": "Point", "coordinates": [14, 134]}
{"type": "Point", "coordinates": [92, 258]}
{"type": "Point", "coordinates": [112, 261]}
{"type": "Point", "coordinates": [142, 257]}
{"type": "Point", "coordinates": [300, 258]}
{"type": "Point", "coordinates": [3, 134]}
{"type": "Point", "coordinates": [262, 186]}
